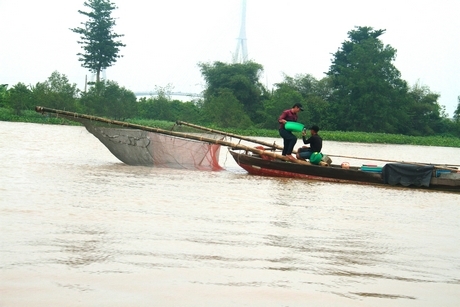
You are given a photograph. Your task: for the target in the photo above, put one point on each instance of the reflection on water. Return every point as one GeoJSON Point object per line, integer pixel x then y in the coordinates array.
{"type": "Point", "coordinates": [82, 247]}
{"type": "Point", "coordinates": [80, 228]}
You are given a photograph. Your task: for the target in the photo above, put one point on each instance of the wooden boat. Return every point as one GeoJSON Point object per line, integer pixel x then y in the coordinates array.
{"type": "Point", "coordinates": [142, 145]}
{"type": "Point", "coordinates": [421, 175]}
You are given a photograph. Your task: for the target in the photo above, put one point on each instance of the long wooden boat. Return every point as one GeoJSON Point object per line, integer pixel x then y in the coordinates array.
{"type": "Point", "coordinates": [398, 174]}
{"type": "Point", "coordinates": [149, 146]}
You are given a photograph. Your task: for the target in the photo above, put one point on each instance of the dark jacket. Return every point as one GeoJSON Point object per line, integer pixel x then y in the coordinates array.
{"type": "Point", "coordinates": [315, 141]}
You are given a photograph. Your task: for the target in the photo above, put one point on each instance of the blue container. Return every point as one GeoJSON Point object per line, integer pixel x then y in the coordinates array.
{"type": "Point", "coordinates": [372, 169]}
{"type": "Point", "coordinates": [442, 171]}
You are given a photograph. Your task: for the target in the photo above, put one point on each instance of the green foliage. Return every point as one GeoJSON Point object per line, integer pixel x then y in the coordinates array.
{"type": "Point", "coordinates": [107, 98]}
{"type": "Point", "coordinates": [188, 112]}
{"type": "Point", "coordinates": [225, 110]}
{"type": "Point", "coordinates": [157, 108]}
{"type": "Point", "coordinates": [284, 97]}
{"type": "Point", "coordinates": [56, 93]}
{"type": "Point", "coordinates": [313, 94]}
{"type": "Point", "coordinates": [242, 79]}
{"type": "Point", "coordinates": [30, 116]}
{"type": "Point", "coordinates": [364, 137]}
{"type": "Point", "coordinates": [162, 107]}
{"type": "Point", "coordinates": [3, 95]}
{"type": "Point", "coordinates": [424, 111]}
{"type": "Point", "coordinates": [318, 112]}
{"type": "Point", "coordinates": [368, 92]}
{"type": "Point", "coordinates": [358, 137]}
{"type": "Point", "coordinates": [101, 49]}
{"type": "Point", "coordinates": [455, 123]}
{"type": "Point", "coordinates": [304, 84]}
{"type": "Point", "coordinates": [20, 98]}
{"type": "Point", "coordinates": [8, 114]}
{"type": "Point", "coordinates": [162, 124]}
{"type": "Point", "coordinates": [457, 111]}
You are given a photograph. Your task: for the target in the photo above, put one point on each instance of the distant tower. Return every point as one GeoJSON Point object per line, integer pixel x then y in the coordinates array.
{"type": "Point", "coordinates": [241, 53]}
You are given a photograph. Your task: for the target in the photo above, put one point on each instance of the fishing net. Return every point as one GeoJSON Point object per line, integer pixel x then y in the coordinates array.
{"type": "Point", "coordinates": [145, 148]}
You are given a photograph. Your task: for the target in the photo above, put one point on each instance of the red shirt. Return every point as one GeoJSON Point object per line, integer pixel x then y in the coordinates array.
{"type": "Point", "coordinates": [287, 115]}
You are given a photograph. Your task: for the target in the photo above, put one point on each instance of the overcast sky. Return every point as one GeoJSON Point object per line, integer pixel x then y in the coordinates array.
{"type": "Point", "coordinates": [167, 39]}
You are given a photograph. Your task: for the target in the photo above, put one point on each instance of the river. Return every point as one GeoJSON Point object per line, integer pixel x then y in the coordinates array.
{"type": "Point", "coordinates": [80, 228]}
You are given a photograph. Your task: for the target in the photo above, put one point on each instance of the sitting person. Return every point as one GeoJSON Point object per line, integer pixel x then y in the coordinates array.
{"type": "Point", "coordinates": [315, 141]}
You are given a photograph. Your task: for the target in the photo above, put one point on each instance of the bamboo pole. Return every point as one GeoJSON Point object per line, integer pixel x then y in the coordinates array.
{"type": "Point", "coordinates": [275, 146]}
{"type": "Point", "coordinates": [40, 109]}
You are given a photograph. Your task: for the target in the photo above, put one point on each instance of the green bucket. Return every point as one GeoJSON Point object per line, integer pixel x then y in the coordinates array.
{"type": "Point", "coordinates": [316, 157]}
{"type": "Point", "coordinates": [294, 126]}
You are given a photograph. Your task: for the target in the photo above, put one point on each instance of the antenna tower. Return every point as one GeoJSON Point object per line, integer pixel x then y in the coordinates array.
{"type": "Point", "coordinates": [241, 53]}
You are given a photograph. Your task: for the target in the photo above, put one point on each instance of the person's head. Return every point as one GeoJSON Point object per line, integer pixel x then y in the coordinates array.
{"type": "Point", "coordinates": [297, 107]}
{"type": "Point", "coordinates": [314, 129]}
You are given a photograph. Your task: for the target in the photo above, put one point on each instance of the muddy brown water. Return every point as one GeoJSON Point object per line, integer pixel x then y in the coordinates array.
{"type": "Point", "coordinates": [80, 228]}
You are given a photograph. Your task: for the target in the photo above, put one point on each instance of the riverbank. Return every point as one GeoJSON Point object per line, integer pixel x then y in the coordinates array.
{"type": "Point", "coordinates": [339, 136]}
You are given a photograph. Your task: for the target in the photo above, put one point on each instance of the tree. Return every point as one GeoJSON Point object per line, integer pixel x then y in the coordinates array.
{"type": "Point", "coordinates": [314, 97]}
{"type": "Point", "coordinates": [424, 111]}
{"type": "Point", "coordinates": [241, 79]}
{"type": "Point", "coordinates": [455, 128]}
{"type": "Point", "coordinates": [304, 84]}
{"type": "Point", "coordinates": [107, 98]}
{"type": "Point", "coordinates": [162, 107]}
{"type": "Point", "coordinates": [282, 98]}
{"type": "Point", "coordinates": [20, 98]}
{"type": "Point", "coordinates": [3, 95]}
{"type": "Point", "coordinates": [226, 111]}
{"type": "Point", "coordinates": [158, 107]}
{"type": "Point", "coordinates": [101, 49]}
{"type": "Point", "coordinates": [457, 111]}
{"type": "Point", "coordinates": [56, 93]}
{"type": "Point", "coordinates": [369, 94]}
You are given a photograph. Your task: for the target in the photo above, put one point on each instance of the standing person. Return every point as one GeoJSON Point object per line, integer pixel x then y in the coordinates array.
{"type": "Point", "coordinates": [288, 137]}
{"type": "Point", "coordinates": [315, 141]}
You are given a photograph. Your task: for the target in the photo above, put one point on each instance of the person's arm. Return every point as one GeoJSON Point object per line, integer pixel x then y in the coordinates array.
{"type": "Point", "coordinates": [305, 140]}
{"type": "Point", "coordinates": [282, 118]}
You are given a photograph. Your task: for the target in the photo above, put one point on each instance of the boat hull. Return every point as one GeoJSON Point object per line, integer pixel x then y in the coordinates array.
{"type": "Point", "coordinates": [255, 165]}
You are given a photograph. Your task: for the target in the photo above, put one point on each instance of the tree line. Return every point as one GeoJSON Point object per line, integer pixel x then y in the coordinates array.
{"type": "Point", "coordinates": [234, 98]}
{"type": "Point", "coordinates": [361, 91]}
